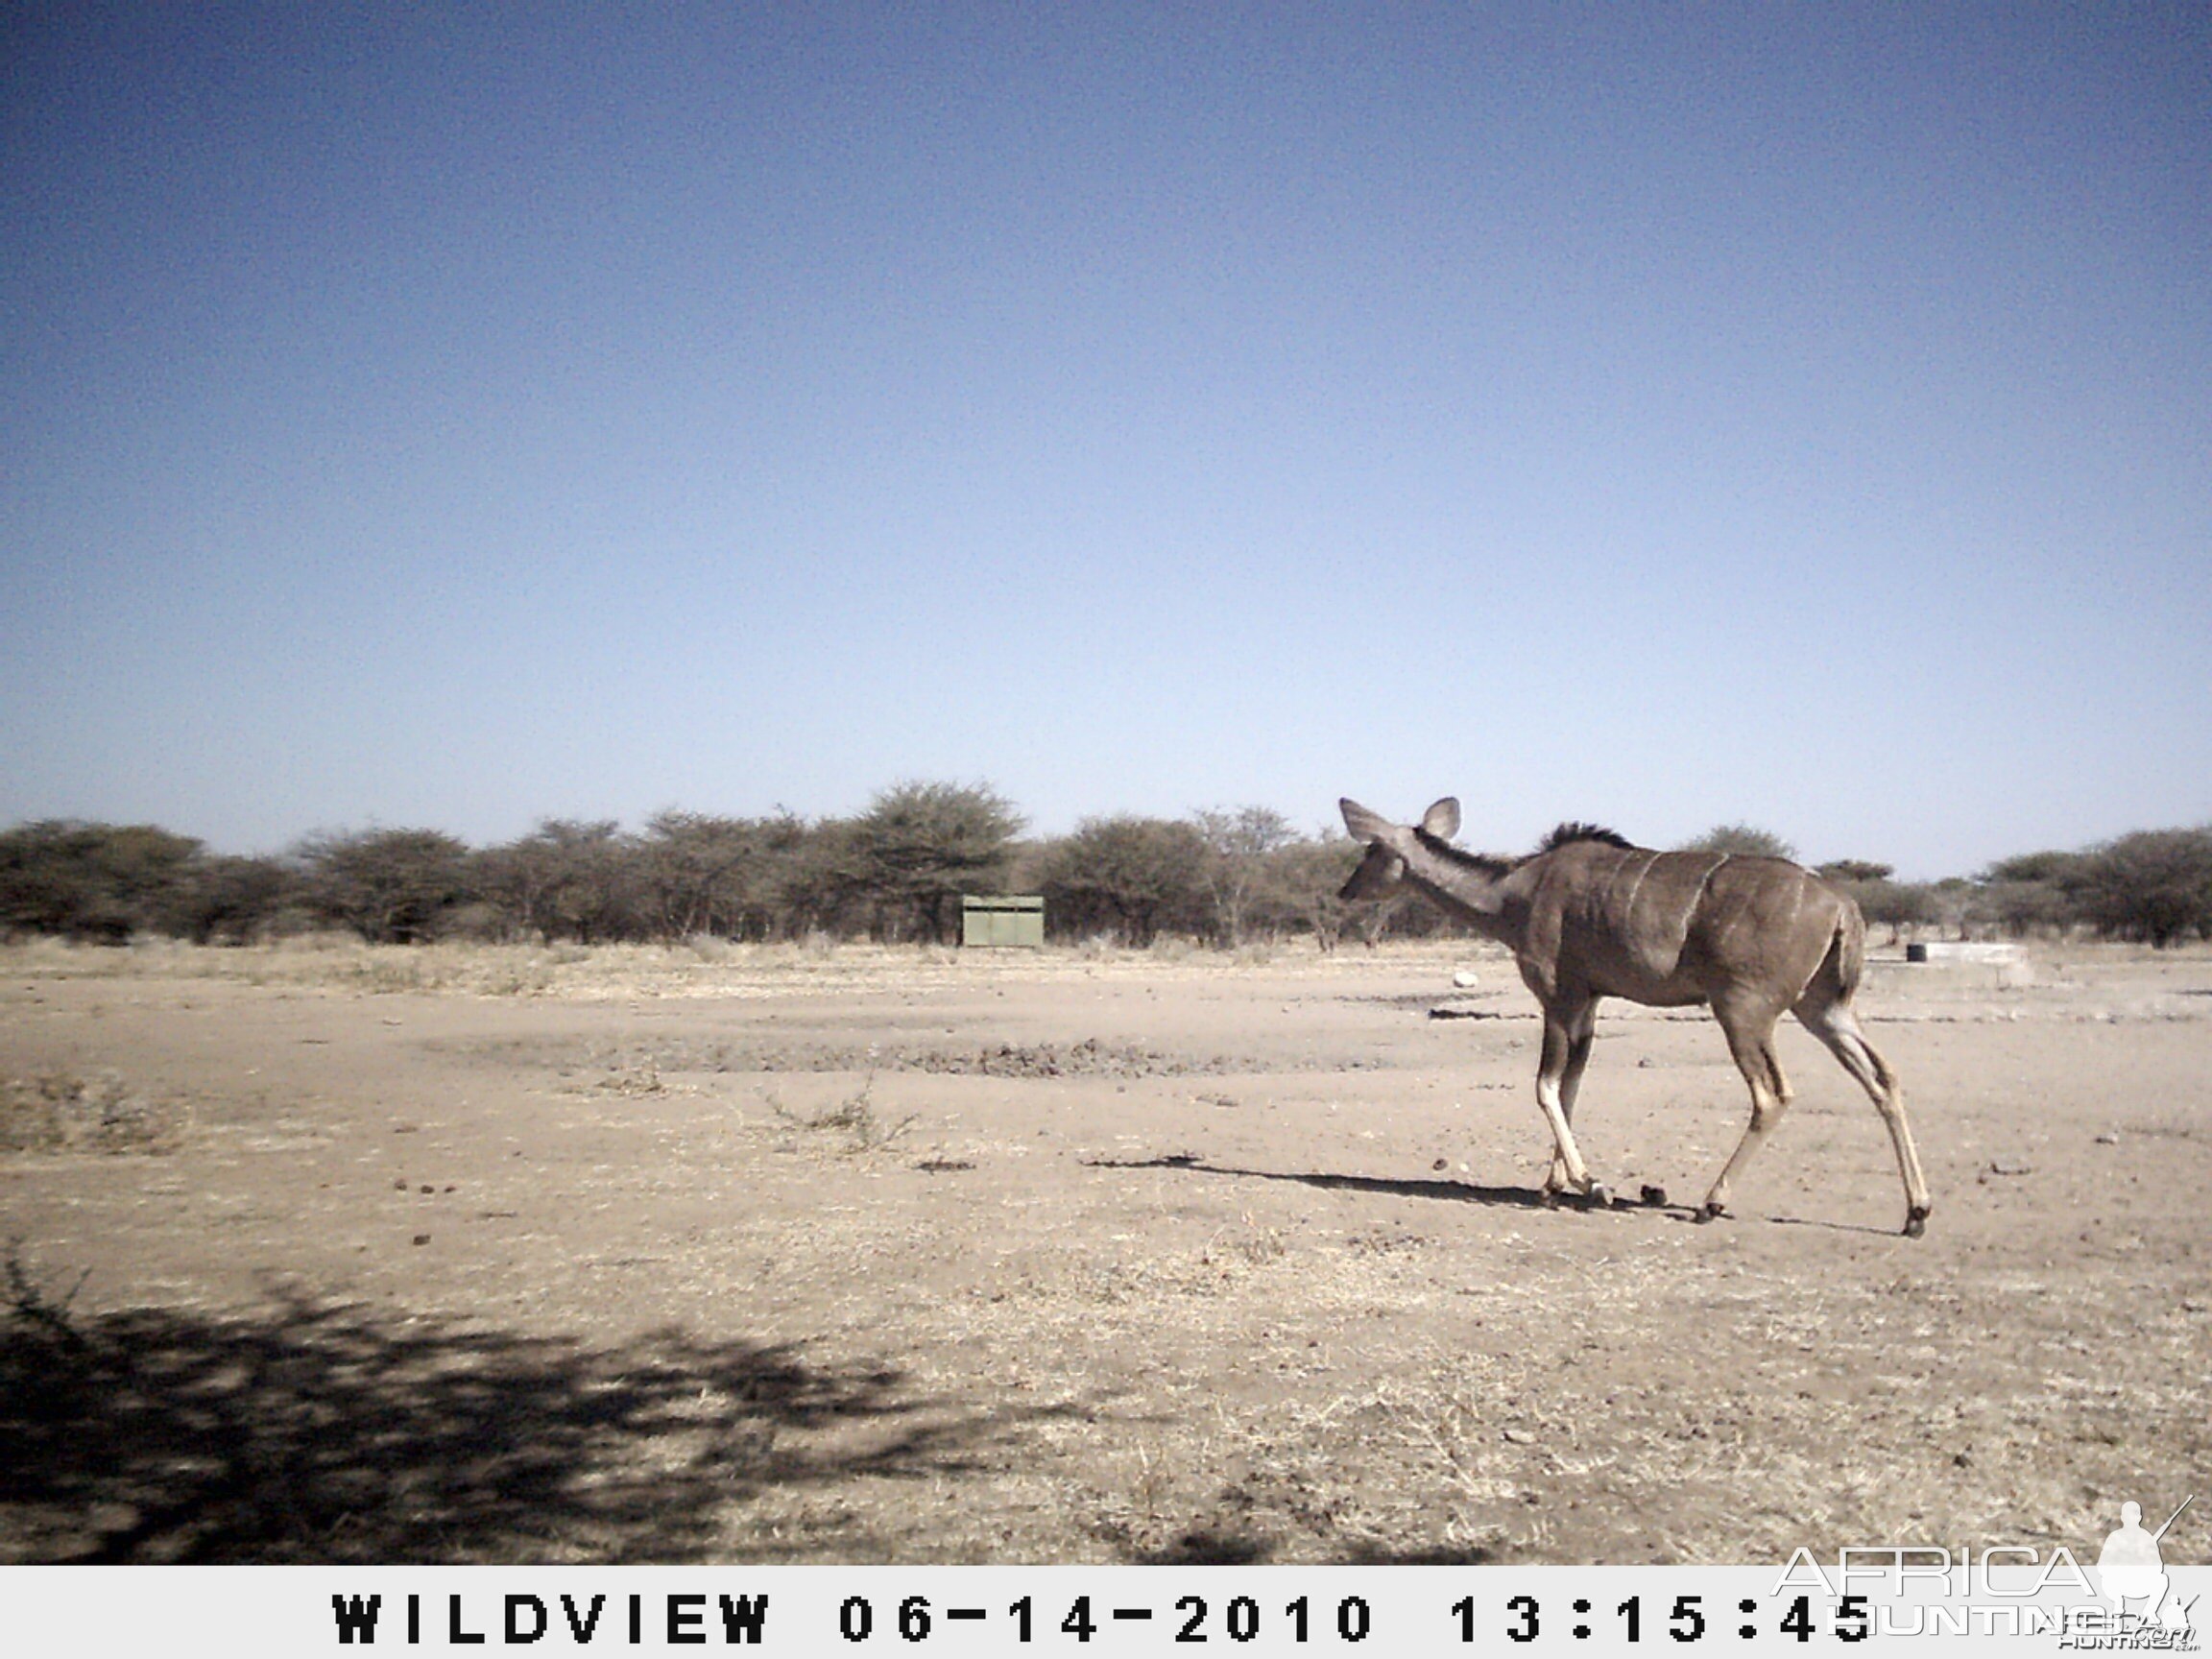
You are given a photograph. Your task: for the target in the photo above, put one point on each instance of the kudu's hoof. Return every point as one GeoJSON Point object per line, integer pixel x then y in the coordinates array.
{"type": "Point", "coordinates": [1599, 1195]}
{"type": "Point", "coordinates": [1709, 1213]}
{"type": "Point", "coordinates": [1916, 1222]}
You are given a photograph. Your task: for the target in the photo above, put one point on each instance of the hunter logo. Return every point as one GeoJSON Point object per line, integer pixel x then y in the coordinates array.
{"type": "Point", "coordinates": [2016, 1590]}
{"type": "Point", "coordinates": [2130, 1568]}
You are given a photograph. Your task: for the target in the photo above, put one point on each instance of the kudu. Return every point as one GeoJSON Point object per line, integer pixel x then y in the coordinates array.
{"type": "Point", "coordinates": [1590, 916]}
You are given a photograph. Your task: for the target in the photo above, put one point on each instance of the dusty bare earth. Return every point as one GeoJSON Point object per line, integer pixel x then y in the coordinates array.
{"type": "Point", "coordinates": [851, 1255]}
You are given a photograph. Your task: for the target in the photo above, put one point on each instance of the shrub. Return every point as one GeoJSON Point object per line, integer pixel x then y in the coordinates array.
{"type": "Point", "coordinates": [2154, 887]}
{"type": "Point", "coordinates": [908, 858]}
{"type": "Point", "coordinates": [1741, 838]}
{"type": "Point", "coordinates": [391, 887]}
{"type": "Point", "coordinates": [1132, 878]}
{"type": "Point", "coordinates": [96, 883]}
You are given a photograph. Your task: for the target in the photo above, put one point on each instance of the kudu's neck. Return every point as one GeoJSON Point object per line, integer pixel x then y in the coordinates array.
{"type": "Point", "coordinates": [1480, 892]}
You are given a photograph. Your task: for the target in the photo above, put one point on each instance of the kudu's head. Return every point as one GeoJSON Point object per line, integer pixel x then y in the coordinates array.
{"type": "Point", "coordinates": [1388, 843]}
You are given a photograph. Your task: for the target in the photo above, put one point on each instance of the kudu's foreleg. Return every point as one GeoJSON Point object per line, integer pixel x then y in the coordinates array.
{"type": "Point", "coordinates": [1582, 1035]}
{"type": "Point", "coordinates": [1837, 1027]}
{"type": "Point", "coordinates": [1568, 1035]}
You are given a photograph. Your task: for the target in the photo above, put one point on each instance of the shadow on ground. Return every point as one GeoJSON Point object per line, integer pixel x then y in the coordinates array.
{"type": "Point", "coordinates": [1468, 1192]}
{"type": "Point", "coordinates": [316, 1432]}
{"type": "Point", "coordinates": [1454, 1192]}
{"type": "Point", "coordinates": [1208, 1547]}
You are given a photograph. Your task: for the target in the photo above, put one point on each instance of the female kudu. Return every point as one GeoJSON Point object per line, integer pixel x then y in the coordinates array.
{"type": "Point", "coordinates": [1589, 916]}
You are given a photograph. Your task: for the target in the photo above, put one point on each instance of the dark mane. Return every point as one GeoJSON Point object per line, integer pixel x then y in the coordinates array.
{"type": "Point", "coordinates": [1484, 863]}
{"type": "Point", "coordinates": [1567, 833]}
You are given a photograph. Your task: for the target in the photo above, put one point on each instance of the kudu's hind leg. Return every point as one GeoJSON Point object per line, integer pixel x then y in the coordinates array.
{"type": "Point", "coordinates": [1751, 1041]}
{"type": "Point", "coordinates": [1837, 1027]}
{"type": "Point", "coordinates": [1568, 1035]}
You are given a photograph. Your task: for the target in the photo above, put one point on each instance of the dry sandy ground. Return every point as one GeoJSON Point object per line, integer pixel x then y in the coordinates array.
{"type": "Point", "coordinates": [853, 1255]}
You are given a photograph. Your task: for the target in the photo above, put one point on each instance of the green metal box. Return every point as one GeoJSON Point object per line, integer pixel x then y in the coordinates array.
{"type": "Point", "coordinates": [1015, 919]}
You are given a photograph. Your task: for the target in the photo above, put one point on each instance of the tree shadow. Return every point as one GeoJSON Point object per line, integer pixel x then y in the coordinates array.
{"type": "Point", "coordinates": [322, 1432]}
{"type": "Point", "coordinates": [1442, 1555]}
{"type": "Point", "coordinates": [1208, 1546]}
{"type": "Point", "coordinates": [1215, 1546]}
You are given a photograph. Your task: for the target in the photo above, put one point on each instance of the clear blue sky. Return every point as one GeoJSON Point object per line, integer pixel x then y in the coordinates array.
{"type": "Point", "coordinates": [457, 416]}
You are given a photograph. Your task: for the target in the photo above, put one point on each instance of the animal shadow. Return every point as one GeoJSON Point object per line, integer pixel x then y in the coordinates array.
{"type": "Point", "coordinates": [1450, 1192]}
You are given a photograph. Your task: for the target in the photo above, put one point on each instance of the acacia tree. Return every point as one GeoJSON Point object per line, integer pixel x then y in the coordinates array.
{"type": "Point", "coordinates": [1239, 846]}
{"type": "Point", "coordinates": [231, 900]}
{"type": "Point", "coordinates": [2031, 892]}
{"type": "Point", "coordinates": [1849, 870]}
{"type": "Point", "coordinates": [1895, 905]}
{"type": "Point", "coordinates": [918, 847]}
{"type": "Point", "coordinates": [391, 887]}
{"type": "Point", "coordinates": [2153, 886]}
{"type": "Point", "coordinates": [568, 879]}
{"type": "Point", "coordinates": [1741, 838]}
{"type": "Point", "coordinates": [1131, 877]}
{"type": "Point", "coordinates": [93, 881]}
{"type": "Point", "coordinates": [1303, 881]}
{"type": "Point", "coordinates": [691, 869]}
{"type": "Point", "coordinates": [734, 877]}
{"type": "Point", "coordinates": [1887, 903]}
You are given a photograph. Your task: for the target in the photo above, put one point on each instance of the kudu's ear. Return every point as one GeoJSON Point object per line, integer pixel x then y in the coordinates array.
{"type": "Point", "coordinates": [1365, 825]}
{"type": "Point", "coordinates": [1442, 820]}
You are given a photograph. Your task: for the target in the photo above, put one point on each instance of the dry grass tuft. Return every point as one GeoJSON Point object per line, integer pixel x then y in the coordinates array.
{"type": "Point", "coordinates": [1251, 1243]}
{"type": "Point", "coordinates": [855, 1116]}
{"type": "Point", "coordinates": [641, 1080]}
{"type": "Point", "coordinates": [61, 1111]}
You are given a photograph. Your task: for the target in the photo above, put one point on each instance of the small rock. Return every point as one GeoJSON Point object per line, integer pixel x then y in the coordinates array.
{"type": "Point", "coordinates": [1440, 1164]}
{"type": "Point", "coordinates": [1998, 1166]}
{"type": "Point", "coordinates": [1466, 978]}
{"type": "Point", "coordinates": [2107, 1140]}
{"type": "Point", "coordinates": [422, 1238]}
